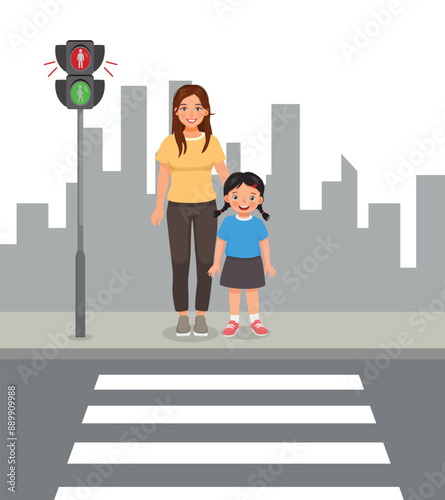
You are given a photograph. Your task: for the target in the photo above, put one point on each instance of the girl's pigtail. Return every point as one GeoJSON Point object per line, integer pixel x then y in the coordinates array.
{"type": "Point", "coordinates": [265, 215]}
{"type": "Point", "coordinates": [217, 213]}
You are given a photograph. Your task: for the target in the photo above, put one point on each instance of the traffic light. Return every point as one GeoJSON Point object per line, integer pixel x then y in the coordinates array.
{"type": "Point", "coordinates": [80, 59]}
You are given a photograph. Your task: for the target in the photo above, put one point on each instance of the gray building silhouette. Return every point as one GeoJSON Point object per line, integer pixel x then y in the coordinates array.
{"type": "Point", "coordinates": [323, 261]}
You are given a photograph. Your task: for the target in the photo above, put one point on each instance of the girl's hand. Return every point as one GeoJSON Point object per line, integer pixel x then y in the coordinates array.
{"type": "Point", "coordinates": [157, 216]}
{"type": "Point", "coordinates": [213, 270]}
{"type": "Point", "coordinates": [269, 269]}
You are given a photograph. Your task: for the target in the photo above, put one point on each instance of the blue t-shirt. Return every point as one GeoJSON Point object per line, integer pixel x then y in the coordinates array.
{"type": "Point", "coordinates": [242, 236]}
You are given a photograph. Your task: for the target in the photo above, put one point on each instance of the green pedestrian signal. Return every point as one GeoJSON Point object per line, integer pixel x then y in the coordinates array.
{"type": "Point", "coordinates": [80, 93]}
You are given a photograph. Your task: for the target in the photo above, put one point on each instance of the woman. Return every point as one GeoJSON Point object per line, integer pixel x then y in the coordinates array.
{"type": "Point", "coordinates": [187, 156]}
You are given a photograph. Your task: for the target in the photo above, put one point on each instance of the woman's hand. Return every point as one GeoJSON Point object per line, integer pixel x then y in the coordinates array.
{"type": "Point", "coordinates": [213, 270]}
{"type": "Point", "coordinates": [157, 216]}
{"type": "Point", "coordinates": [269, 269]}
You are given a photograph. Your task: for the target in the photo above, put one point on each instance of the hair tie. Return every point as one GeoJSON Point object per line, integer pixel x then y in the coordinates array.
{"type": "Point", "coordinates": [262, 212]}
{"type": "Point", "coordinates": [254, 185]}
{"type": "Point", "coordinates": [220, 211]}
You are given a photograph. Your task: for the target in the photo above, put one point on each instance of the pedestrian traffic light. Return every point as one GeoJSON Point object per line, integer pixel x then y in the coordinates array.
{"type": "Point", "coordinates": [80, 59]}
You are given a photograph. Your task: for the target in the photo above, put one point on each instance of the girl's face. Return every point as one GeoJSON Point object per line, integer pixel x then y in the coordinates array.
{"type": "Point", "coordinates": [244, 199]}
{"type": "Point", "coordinates": [191, 112]}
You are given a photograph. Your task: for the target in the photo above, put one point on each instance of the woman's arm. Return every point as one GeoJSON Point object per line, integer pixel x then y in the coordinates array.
{"type": "Point", "coordinates": [265, 250]}
{"type": "Point", "coordinates": [163, 178]}
{"type": "Point", "coordinates": [219, 248]}
{"type": "Point", "coordinates": [222, 171]}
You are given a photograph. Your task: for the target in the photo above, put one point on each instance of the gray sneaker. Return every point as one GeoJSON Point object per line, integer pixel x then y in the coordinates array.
{"type": "Point", "coordinates": [183, 326]}
{"type": "Point", "coordinates": [200, 327]}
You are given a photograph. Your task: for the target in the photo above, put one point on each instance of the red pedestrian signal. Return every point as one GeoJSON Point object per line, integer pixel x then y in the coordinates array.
{"type": "Point", "coordinates": [80, 58]}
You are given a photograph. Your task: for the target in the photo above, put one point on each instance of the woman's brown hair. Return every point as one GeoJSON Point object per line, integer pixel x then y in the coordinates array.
{"type": "Point", "coordinates": [178, 127]}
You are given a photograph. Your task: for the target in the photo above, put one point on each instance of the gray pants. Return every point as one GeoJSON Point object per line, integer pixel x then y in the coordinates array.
{"type": "Point", "coordinates": [180, 217]}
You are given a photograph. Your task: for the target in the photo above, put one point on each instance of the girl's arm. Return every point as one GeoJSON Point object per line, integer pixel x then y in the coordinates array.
{"type": "Point", "coordinates": [222, 171]}
{"type": "Point", "coordinates": [265, 250]}
{"type": "Point", "coordinates": [219, 248]}
{"type": "Point", "coordinates": [163, 178]}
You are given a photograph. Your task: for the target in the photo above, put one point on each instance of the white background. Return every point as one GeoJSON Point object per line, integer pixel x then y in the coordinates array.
{"type": "Point", "coordinates": [368, 96]}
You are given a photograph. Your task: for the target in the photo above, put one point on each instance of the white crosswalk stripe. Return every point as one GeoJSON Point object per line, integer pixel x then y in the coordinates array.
{"type": "Point", "coordinates": [229, 453]}
{"type": "Point", "coordinates": [230, 382]}
{"type": "Point", "coordinates": [230, 493]}
{"type": "Point", "coordinates": [230, 414]}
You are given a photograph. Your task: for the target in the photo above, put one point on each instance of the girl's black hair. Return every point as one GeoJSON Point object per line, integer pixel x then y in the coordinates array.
{"type": "Point", "coordinates": [234, 181]}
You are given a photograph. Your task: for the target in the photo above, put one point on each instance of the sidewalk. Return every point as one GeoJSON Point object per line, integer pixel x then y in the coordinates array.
{"type": "Point", "coordinates": [324, 335]}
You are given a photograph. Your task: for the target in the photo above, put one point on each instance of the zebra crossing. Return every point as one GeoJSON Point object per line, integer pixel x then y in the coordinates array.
{"type": "Point", "coordinates": [223, 452]}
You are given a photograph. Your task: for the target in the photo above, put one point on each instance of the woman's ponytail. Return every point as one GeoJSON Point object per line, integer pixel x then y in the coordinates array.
{"type": "Point", "coordinates": [265, 215]}
{"type": "Point", "coordinates": [217, 213]}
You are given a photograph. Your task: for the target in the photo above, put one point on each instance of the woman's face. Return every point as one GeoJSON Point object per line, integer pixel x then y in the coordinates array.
{"type": "Point", "coordinates": [191, 112]}
{"type": "Point", "coordinates": [244, 199]}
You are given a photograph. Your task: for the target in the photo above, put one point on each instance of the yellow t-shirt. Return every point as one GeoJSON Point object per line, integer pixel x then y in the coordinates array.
{"type": "Point", "coordinates": [191, 173]}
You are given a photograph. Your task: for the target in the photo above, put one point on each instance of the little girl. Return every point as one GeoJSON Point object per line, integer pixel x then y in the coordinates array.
{"type": "Point", "coordinates": [246, 238]}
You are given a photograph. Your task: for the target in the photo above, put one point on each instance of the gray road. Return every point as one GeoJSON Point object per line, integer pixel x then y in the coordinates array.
{"type": "Point", "coordinates": [407, 398]}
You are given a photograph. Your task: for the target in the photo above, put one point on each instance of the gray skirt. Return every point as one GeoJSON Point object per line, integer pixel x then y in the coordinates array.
{"type": "Point", "coordinates": [243, 273]}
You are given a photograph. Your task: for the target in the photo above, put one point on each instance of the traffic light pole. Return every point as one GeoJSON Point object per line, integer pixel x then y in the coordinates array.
{"type": "Point", "coordinates": [80, 255]}
{"type": "Point", "coordinates": [80, 59]}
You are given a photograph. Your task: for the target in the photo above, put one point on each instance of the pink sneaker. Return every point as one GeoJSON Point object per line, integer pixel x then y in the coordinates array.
{"type": "Point", "coordinates": [231, 329]}
{"type": "Point", "coordinates": [258, 328]}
